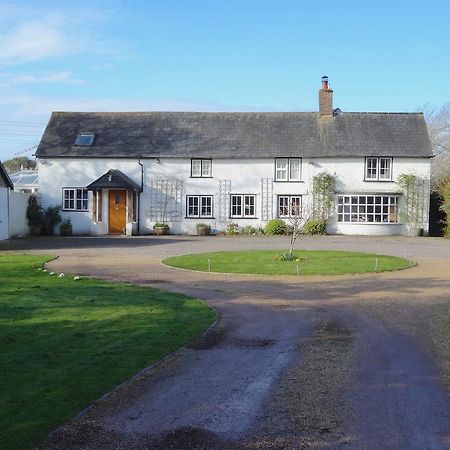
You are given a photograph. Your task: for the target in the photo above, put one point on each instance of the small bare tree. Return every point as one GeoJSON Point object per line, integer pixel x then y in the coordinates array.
{"type": "Point", "coordinates": [299, 215]}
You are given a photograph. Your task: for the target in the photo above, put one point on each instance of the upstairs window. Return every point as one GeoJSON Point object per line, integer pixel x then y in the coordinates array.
{"type": "Point", "coordinates": [378, 169]}
{"type": "Point", "coordinates": [287, 169]}
{"type": "Point", "coordinates": [75, 199]}
{"type": "Point", "coordinates": [85, 139]}
{"type": "Point", "coordinates": [201, 168]}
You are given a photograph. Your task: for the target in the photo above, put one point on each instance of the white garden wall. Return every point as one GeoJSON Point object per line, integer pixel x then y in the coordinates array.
{"type": "Point", "coordinates": [18, 224]}
{"type": "Point", "coordinates": [4, 221]}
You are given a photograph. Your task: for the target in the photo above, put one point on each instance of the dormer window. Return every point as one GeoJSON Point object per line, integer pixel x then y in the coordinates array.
{"type": "Point", "coordinates": [85, 139]}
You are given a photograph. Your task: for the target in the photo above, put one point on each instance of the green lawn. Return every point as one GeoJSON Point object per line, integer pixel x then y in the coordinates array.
{"type": "Point", "coordinates": [311, 262]}
{"type": "Point", "coordinates": [63, 343]}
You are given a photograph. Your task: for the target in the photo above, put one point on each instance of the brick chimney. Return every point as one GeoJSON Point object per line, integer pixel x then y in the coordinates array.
{"type": "Point", "coordinates": [325, 99]}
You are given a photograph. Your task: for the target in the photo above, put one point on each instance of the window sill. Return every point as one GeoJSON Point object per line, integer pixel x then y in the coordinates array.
{"type": "Point", "coordinates": [201, 177]}
{"type": "Point", "coordinates": [368, 223]}
{"type": "Point", "coordinates": [200, 217]}
{"type": "Point", "coordinates": [378, 181]}
{"type": "Point", "coordinates": [288, 181]}
{"type": "Point", "coordinates": [75, 210]}
{"type": "Point", "coordinates": [243, 217]}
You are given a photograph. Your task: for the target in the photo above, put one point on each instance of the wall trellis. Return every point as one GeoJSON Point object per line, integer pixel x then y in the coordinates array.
{"type": "Point", "coordinates": [165, 201]}
{"type": "Point", "coordinates": [266, 198]}
{"type": "Point", "coordinates": [224, 200]}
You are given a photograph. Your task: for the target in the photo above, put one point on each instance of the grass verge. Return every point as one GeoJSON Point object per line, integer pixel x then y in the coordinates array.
{"type": "Point", "coordinates": [311, 262]}
{"type": "Point", "coordinates": [64, 343]}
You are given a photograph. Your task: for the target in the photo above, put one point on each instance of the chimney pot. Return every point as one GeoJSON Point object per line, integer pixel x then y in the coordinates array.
{"type": "Point", "coordinates": [325, 99]}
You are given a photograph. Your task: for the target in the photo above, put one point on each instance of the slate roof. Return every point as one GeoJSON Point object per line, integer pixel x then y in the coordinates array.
{"type": "Point", "coordinates": [114, 179]}
{"type": "Point", "coordinates": [5, 181]}
{"type": "Point", "coordinates": [235, 135]}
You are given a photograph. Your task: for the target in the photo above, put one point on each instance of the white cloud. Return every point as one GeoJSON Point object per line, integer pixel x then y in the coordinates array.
{"type": "Point", "coordinates": [63, 77]}
{"type": "Point", "coordinates": [33, 41]}
{"type": "Point", "coordinates": [34, 34]}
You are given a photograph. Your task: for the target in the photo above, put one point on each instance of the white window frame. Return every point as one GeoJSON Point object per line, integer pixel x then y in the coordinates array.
{"type": "Point", "coordinates": [202, 206]}
{"type": "Point", "coordinates": [243, 206]}
{"type": "Point", "coordinates": [368, 209]}
{"type": "Point", "coordinates": [201, 168]}
{"type": "Point", "coordinates": [284, 169]}
{"type": "Point", "coordinates": [378, 168]}
{"type": "Point", "coordinates": [287, 204]}
{"type": "Point", "coordinates": [75, 199]}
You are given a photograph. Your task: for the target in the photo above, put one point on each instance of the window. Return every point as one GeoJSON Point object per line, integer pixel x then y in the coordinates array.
{"type": "Point", "coordinates": [243, 205]}
{"type": "Point", "coordinates": [97, 206]}
{"type": "Point", "coordinates": [289, 205]}
{"type": "Point", "coordinates": [201, 168]}
{"type": "Point", "coordinates": [132, 206]}
{"type": "Point", "coordinates": [287, 169]}
{"type": "Point", "coordinates": [199, 206]}
{"type": "Point", "coordinates": [85, 139]}
{"type": "Point", "coordinates": [368, 208]}
{"type": "Point", "coordinates": [378, 169]}
{"type": "Point", "coordinates": [75, 199]}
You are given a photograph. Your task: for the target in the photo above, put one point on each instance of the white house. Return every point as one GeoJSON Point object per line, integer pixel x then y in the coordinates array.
{"type": "Point", "coordinates": [124, 172]}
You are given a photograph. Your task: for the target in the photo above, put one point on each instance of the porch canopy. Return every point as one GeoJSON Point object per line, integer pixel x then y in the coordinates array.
{"type": "Point", "coordinates": [114, 179]}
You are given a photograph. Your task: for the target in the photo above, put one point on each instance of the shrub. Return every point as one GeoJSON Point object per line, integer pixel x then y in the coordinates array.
{"type": "Point", "coordinates": [276, 227]}
{"type": "Point", "coordinates": [35, 215]}
{"type": "Point", "coordinates": [232, 229]}
{"type": "Point", "coordinates": [248, 230]}
{"type": "Point", "coordinates": [314, 226]}
{"type": "Point", "coordinates": [65, 229]}
{"type": "Point", "coordinates": [42, 221]}
{"type": "Point", "coordinates": [52, 216]}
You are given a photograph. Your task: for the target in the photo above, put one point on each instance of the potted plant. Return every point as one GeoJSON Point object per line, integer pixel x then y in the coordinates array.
{"type": "Point", "coordinates": [65, 229]}
{"type": "Point", "coordinates": [203, 229]}
{"type": "Point", "coordinates": [161, 229]}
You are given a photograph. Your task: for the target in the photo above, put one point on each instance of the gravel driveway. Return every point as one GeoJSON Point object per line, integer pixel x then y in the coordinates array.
{"type": "Point", "coordinates": [354, 362]}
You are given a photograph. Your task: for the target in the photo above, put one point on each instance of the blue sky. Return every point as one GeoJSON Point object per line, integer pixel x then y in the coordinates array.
{"type": "Point", "coordinates": [198, 55]}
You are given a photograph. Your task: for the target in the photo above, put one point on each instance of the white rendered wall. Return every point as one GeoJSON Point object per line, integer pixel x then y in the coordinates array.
{"type": "Point", "coordinates": [245, 177]}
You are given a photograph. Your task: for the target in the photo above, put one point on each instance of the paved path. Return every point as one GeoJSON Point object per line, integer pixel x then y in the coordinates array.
{"type": "Point", "coordinates": [295, 362]}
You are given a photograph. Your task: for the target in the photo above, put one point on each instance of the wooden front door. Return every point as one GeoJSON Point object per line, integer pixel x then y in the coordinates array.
{"type": "Point", "coordinates": [117, 211]}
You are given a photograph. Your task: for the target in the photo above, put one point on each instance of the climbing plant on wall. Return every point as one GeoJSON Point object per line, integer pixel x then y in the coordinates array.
{"type": "Point", "coordinates": [416, 191]}
{"type": "Point", "coordinates": [323, 195]}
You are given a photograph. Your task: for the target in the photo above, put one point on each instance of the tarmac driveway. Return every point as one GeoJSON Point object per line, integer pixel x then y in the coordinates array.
{"type": "Point", "coordinates": [294, 362]}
